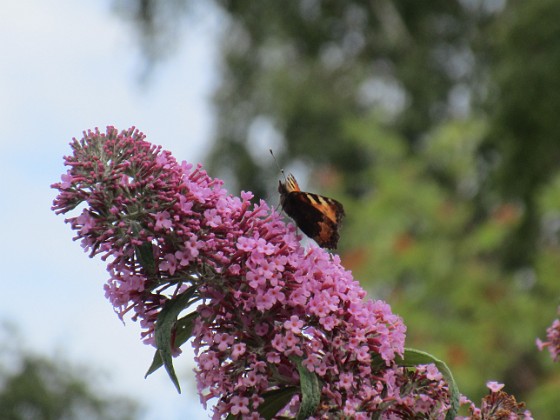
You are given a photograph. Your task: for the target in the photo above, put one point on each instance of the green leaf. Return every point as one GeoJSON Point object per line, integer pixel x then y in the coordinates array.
{"type": "Point", "coordinates": [310, 391]}
{"type": "Point", "coordinates": [145, 255]}
{"type": "Point", "coordinates": [164, 328]}
{"type": "Point", "coordinates": [184, 328]}
{"type": "Point", "coordinates": [414, 357]}
{"type": "Point", "coordinates": [156, 364]}
{"type": "Point", "coordinates": [183, 331]}
{"type": "Point", "coordinates": [275, 400]}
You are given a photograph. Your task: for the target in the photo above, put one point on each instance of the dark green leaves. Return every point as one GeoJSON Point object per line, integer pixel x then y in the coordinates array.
{"type": "Point", "coordinates": [165, 325]}
{"type": "Point", "coordinates": [275, 400]}
{"type": "Point", "coordinates": [145, 255]}
{"type": "Point", "coordinates": [310, 391]}
{"type": "Point", "coordinates": [169, 331]}
{"type": "Point", "coordinates": [183, 331]}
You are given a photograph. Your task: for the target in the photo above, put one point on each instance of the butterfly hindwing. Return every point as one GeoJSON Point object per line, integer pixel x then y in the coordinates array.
{"type": "Point", "coordinates": [317, 216]}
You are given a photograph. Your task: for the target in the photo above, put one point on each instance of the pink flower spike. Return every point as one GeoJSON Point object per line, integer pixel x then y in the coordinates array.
{"type": "Point", "coordinates": [553, 340]}
{"type": "Point", "coordinates": [265, 306]}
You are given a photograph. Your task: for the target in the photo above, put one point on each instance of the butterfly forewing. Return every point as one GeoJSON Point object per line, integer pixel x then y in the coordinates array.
{"type": "Point", "coordinates": [317, 216]}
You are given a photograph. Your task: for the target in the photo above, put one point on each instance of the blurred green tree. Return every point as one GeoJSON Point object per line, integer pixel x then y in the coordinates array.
{"type": "Point", "coordinates": [40, 388]}
{"type": "Point", "coordinates": [524, 127]}
{"type": "Point", "coordinates": [300, 70]}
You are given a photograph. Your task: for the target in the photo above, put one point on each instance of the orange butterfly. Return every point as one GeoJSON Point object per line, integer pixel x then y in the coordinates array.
{"type": "Point", "coordinates": [317, 216]}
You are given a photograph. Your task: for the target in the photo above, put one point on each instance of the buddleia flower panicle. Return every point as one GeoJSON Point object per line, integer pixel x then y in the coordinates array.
{"type": "Point", "coordinates": [268, 312]}
{"type": "Point", "coordinates": [497, 405]}
{"type": "Point", "coordinates": [552, 341]}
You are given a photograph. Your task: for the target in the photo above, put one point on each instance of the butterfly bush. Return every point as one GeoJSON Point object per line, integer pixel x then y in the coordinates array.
{"type": "Point", "coordinates": [269, 314]}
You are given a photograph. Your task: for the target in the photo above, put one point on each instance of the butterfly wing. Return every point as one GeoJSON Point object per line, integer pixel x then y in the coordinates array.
{"type": "Point", "coordinates": [317, 216]}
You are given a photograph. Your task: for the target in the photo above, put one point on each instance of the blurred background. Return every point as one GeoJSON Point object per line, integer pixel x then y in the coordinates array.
{"type": "Point", "coordinates": [435, 123]}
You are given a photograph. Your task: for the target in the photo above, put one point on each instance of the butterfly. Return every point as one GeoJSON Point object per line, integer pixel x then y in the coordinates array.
{"type": "Point", "coordinates": [317, 216]}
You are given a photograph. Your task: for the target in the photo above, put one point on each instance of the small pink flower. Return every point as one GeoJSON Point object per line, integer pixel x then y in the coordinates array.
{"type": "Point", "coordinates": [86, 221]}
{"type": "Point", "coordinates": [278, 343]}
{"type": "Point", "coordinates": [290, 340]}
{"type": "Point", "coordinates": [328, 322]}
{"type": "Point", "coordinates": [169, 264]}
{"type": "Point", "coordinates": [294, 324]}
{"type": "Point", "coordinates": [250, 380]}
{"type": "Point", "coordinates": [432, 373]}
{"type": "Point", "coordinates": [362, 354]}
{"type": "Point", "coordinates": [273, 357]}
{"type": "Point", "coordinates": [162, 220]}
{"type": "Point", "coordinates": [238, 350]}
{"type": "Point", "coordinates": [346, 380]}
{"type": "Point", "coordinates": [223, 341]}
{"type": "Point", "coordinates": [67, 180]}
{"type": "Point", "coordinates": [264, 301]}
{"type": "Point", "coordinates": [321, 370]}
{"type": "Point", "coordinates": [208, 360]}
{"type": "Point", "coordinates": [494, 386]}
{"type": "Point", "coordinates": [239, 405]}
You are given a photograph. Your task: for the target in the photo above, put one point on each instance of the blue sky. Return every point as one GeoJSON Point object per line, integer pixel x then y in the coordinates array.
{"type": "Point", "coordinates": [65, 67]}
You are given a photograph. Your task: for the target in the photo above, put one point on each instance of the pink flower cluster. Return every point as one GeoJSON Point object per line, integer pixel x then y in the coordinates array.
{"type": "Point", "coordinates": [282, 302]}
{"type": "Point", "coordinates": [497, 405]}
{"type": "Point", "coordinates": [553, 340]}
{"type": "Point", "coordinates": [132, 193]}
{"type": "Point", "coordinates": [267, 306]}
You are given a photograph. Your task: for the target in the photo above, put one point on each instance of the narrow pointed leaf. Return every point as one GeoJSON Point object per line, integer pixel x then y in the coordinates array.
{"type": "Point", "coordinates": [183, 331]}
{"type": "Point", "coordinates": [184, 328]}
{"type": "Point", "coordinates": [414, 357]}
{"type": "Point", "coordinates": [145, 255]}
{"type": "Point", "coordinates": [163, 331]}
{"type": "Point", "coordinates": [156, 364]}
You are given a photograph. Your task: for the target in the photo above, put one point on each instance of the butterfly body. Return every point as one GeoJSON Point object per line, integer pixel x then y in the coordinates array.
{"type": "Point", "coordinates": [317, 216]}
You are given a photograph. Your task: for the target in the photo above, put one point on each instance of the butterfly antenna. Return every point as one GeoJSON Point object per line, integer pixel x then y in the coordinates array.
{"type": "Point", "coordinates": [281, 170]}
{"type": "Point", "coordinates": [275, 161]}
